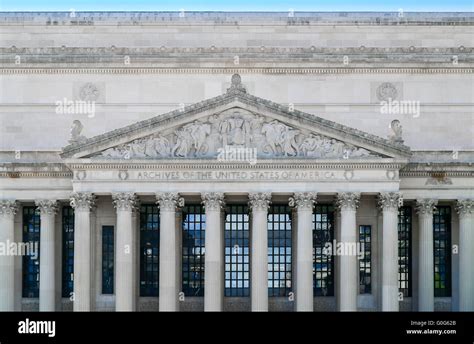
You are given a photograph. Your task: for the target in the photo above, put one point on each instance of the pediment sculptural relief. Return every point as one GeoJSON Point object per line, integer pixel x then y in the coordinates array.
{"type": "Point", "coordinates": [235, 128]}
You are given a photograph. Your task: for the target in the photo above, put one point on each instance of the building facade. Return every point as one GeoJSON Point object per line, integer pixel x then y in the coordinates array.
{"type": "Point", "coordinates": [237, 161]}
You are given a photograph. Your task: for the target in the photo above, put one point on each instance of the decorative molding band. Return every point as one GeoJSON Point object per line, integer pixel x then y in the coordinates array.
{"type": "Point", "coordinates": [303, 200]}
{"type": "Point", "coordinates": [390, 200]}
{"type": "Point", "coordinates": [169, 201]}
{"type": "Point", "coordinates": [124, 201]}
{"type": "Point", "coordinates": [428, 174]}
{"type": "Point", "coordinates": [192, 165]}
{"type": "Point", "coordinates": [15, 174]}
{"type": "Point", "coordinates": [226, 71]}
{"type": "Point", "coordinates": [465, 207]}
{"type": "Point", "coordinates": [47, 206]}
{"type": "Point", "coordinates": [213, 201]}
{"type": "Point", "coordinates": [260, 201]}
{"type": "Point", "coordinates": [83, 201]}
{"type": "Point", "coordinates": [348, 200]}
{"type": "Point", "coordinates": [426, 206]}
{"type": "Point", "coordinates": [8, 207]}
{"type": "Point", "coordinates": [213, 51]}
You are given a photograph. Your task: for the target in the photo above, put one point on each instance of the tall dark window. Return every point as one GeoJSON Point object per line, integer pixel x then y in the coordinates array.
{"type": "Point", "coordinates": [108, 259]}
{"type": "Point", "coordinates": [279, 250]}
{"type": "Point", "coordinates": [31, 266]}
{"type": "Point", "coordinates": [442, 250]}
{"type": "Point", "coordinates": [149, 249]}
{"type": "Point", "coordinates": [194, 226]}
{"type": "Point", "coordinates": [237, 258]}
{"type": "Point", "coordinates": [404, 250]}
{"type": "Point", "coordinates": [323, 263]}
{"type": "Point", "coordinates": [365, 266]}
{"type": "Point", "coordinates": [68, 251]}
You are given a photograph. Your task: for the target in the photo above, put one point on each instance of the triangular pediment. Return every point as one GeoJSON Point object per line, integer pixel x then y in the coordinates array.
{"type": "Point", "coordinates": [235, 123]}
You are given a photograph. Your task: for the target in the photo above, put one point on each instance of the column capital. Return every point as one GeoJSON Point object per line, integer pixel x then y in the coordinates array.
{"type": "Point", "coordinates": [84, 201]}
{"type": "Point", "coordinates": [8, 207]}
{"type": "Point", "coordinates": [348, 200]}
{"type": "Point", "coordinates": [47, 206]}
{"type": "Point", "coordinates": [124, 201]}
{"type": "Point", "coordinates": [303, 200]}
{"type": "Point", "coordinates": [260, 200]}
{"type": "Point", "coordinates": [169, 201]}
{"type": "Point", "coordinates": [213, 200]}
{"type": "Point", "coordinates": [465, 207]}
{"type": "Point", "coordinates": [390, 200]}
{"type": "Point", "coordinates": [426, 206]}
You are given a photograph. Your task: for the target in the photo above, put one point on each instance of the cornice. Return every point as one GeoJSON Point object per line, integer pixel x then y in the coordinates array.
{"type": "Point", "coordinates": [259, 57]}
{"type": "Point", "coordinates": [208, 18]}
{"type": "Point", "coordinates": [296, 164]}
{"type": "Point", "coordinates": [64, 170]}
{"type": "Point", "coordinates": [34, 170]}
{"type": "Point", "coordinates": [231, 70]}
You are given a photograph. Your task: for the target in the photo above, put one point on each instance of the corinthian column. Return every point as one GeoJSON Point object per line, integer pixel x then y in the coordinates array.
{"type": "Point", "coordinates": [425, 208]}
{"type": "Point", "coordinates": [348, 278]}
{"type": "Point", "coordinates": [304, 203]}
{"type": "Point", "coordinates": [82, 203]}
{"type": "Point", "coordinates": [47, 287]}
{"type": "Point", "coordinates": [125, 204]}
{"type": "Point", "coordinates": [465, 210]}
{"type": "Point", "coordinates": [259, 203]}
{"type": "Point", "coordinates": [389, 203]}
{"type": "Point", "coordinates": [8, 209]}
{"type": "Point", "coordinates": [169, 288]}
{"type": "Point", "coordinates": [213, 265]}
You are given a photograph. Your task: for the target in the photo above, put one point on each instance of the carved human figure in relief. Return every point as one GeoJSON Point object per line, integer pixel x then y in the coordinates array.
{"type": "Point", "coordinates": [138, 148]}
{"type": "Point", "coordinates": [183, 144]}
{"type": "Point", "coordinates": [237, 127]}
{"type": "Point", "coordinates": [334, 149]}
{"type": "Point", "coordinates": [158, 146]}
{"type": "Point", "coordinates": [311, 146]}
{"type": "Point", "coordinates": [359, 152]}
{"type": "Point", "coordinates": [119, 152]}
{"type": "Point", "coordinates": [273, 134]}
{"type": "Point", "coordinates": [289, 145]}
{"type": "Point", "coordinates": [198, 132]}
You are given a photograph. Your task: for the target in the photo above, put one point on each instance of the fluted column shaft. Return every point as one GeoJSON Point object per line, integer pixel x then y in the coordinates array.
{"type": "Point", "coordinates": [8, 209]}
{"type": "Point", "coordinates": [348, 278]}
{"type": "Point", "coordinates": [389, 203]}
{"type": "Point", "coordinates": [47, 287]}
{"type": "Point", "coordinates": [169, 288]}
{"type": "Point", "coordinates": [214, 263]}
{"type": "Point", "coordinates": [82, 204]}
{"type": "Point", "coordinates": [425, 208]}
{"type": "Point", "coordinates": [125, 204]}
{"type": "Point", "coordinates": [465, 209]}
{"type": "Point", "coordinates": [304, 203]}
{"type": "Point", "coordinates": [259, 203]}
